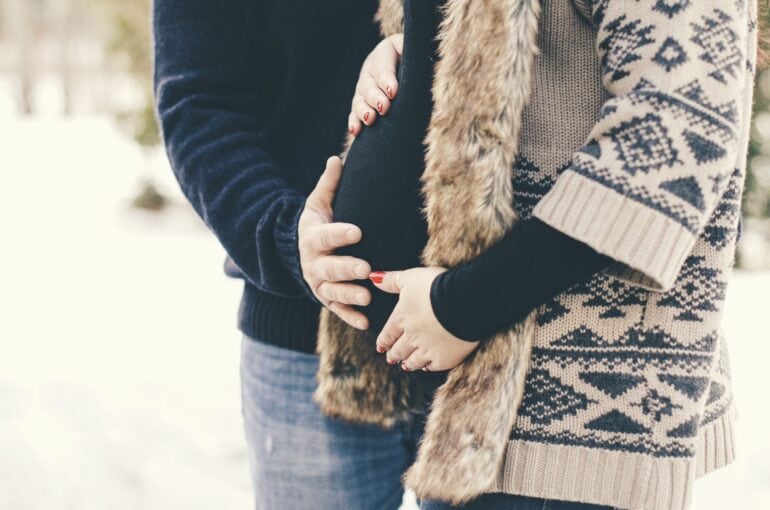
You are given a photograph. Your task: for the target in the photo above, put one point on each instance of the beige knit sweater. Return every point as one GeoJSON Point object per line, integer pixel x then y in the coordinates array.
{"type": "Point", "coordinates": [628, 397]}
{"type": "Point", "coordinates": [625, 124]}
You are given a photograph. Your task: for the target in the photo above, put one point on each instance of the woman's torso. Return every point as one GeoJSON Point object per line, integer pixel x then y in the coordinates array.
{"type": "Point", "coordinates": [380, 187]}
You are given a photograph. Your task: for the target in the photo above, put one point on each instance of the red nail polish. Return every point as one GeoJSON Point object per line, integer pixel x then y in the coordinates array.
{"type": "Point", "coordinates": [377, 276]}
{"type": "Point", "coordinates": [380, 349]}
{"type": "Point", "coordinates": [379, 106]}
{"type": "Point", "coordinates": [391, 362]}
{"type": "Point", "coordinates": [405, 368]}
{"type": "Point", "coordinates": [366, 116]}
{"type": "Point", "coordinates": [350, 130]}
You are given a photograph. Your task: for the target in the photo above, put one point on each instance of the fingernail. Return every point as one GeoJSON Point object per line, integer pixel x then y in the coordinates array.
{"type": "Point", "coordinates": [351, 130]}
{"type": "Point", "coordinates": [351, 234]}
{"type": "Point", "coordinates": [361, 298]}
{"type": "Point", "coordinates": [379, 106]}
{"type": "Point", "coordinates": [366, 116]}
{"type": "Point", "coordinates": [392, 362]}
{"type": "Point", "coordinates": [405, 368]}
{"type": "Point", "coordinates": [377, 276]}
{"type": "Point", "coordinates": [360, 270]}
{"type": "Point", "coordinates": [389, 92]}
{"type": "Point", "coordinates": [381, 349]}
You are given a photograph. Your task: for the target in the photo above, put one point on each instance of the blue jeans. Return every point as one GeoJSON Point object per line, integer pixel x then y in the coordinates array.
{"type": "Point", "coordinates": [302, 460]}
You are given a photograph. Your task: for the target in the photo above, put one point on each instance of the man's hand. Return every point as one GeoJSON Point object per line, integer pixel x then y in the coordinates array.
{"type": "Point", "coordinates": [377, 83]}
{"type": "Point", "coordinates": [318, 238]}
{"type": "Point", "coordinates": [412, 335]}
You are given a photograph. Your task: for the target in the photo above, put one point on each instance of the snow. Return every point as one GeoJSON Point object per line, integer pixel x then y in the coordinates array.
{"type": "Point", "coordinates": [119, 351]}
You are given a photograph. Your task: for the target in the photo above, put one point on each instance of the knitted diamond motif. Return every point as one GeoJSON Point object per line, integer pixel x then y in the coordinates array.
{"type": "Point", "coordinates": [643, 144]}
{"type": "Point", "coordinates": [620, 46]}
{"type": "Point", "coordinates": [547, 399]}
{"type": "Point", "coordinates": [720, 45]}
{"type": "Point", "coordinates": [656, 405]}
{"type": "Point", "coordinates": [671, 7]}
{"type": "Point", "coordinates": [608, 293]}
{"type": "Point", "coordinates": [670, 55]}
{"type": "Point", "coordinates": [697, 290]}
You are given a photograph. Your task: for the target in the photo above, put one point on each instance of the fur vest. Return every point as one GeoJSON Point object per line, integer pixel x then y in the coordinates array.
{"type": "Point", "coordinates": [468, 194]}
{"type": "Point", "coordinates": [639, 189]}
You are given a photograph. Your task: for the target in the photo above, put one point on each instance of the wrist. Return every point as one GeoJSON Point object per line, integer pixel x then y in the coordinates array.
{"type": "Point", "coordinates": [444, 312]}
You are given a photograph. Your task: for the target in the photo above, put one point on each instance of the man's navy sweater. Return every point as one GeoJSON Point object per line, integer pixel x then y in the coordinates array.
{"type": "Point", "coordinates": [253, 97]}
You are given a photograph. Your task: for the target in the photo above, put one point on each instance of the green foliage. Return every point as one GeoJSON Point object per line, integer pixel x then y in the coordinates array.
{"type": "Point", "coordinates": [131, 45]}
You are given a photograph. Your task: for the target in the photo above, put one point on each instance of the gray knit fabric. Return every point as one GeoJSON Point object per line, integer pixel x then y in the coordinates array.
{"type": "Point", "coordinates": [634, 142]}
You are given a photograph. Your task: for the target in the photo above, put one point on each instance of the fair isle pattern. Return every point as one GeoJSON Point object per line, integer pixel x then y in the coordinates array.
{"type": "Point", "coordinates": [672, 125]}
{"type": "Point", "coordinates": [617, 366]}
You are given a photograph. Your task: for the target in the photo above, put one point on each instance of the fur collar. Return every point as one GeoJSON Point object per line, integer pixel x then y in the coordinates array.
{"type": "Point", "coordinates": [482, 83]}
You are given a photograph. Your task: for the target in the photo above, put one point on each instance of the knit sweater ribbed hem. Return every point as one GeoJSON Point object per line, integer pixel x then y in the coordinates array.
{"type": "Point", "coordinates": [650, 247]}
{"type": "Point", "coordinates": [620, 479]}
{"type": "Point", "coordinates": [291, 323]}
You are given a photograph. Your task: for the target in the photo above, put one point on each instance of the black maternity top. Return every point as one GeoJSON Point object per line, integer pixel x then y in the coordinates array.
{"type": "Point", "coordinates": [380, 186]}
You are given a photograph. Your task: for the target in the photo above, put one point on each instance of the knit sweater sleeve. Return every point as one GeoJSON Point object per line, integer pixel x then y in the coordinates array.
{"type": "Point", "coordinates": [643, 186]}
{"type": "Point", "coordinates": [213, 90]}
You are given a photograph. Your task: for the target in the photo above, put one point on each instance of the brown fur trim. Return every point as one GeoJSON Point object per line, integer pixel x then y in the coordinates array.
{"type": "Point", "coordinates": [354, 381]}
{"type": "Point", "coordinates": [390, 16]}
{"type": "Point", "coordinates": [470, 420]}
{"type": "Point", "coordinates": [482, 83]}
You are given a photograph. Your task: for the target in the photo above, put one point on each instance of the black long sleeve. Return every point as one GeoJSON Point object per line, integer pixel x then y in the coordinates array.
{"type": "Point", "coordinates": [532, 263]}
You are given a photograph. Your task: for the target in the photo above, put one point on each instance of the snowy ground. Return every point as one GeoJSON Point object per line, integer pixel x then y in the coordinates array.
{"type": "Point", "coordinates": [119, 353]}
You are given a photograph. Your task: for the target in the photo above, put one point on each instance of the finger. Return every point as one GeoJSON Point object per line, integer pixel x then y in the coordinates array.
{"type": "Point", "coordinates": [344, 293]}
{"type": "Point", "coordinates": [415, 361]}
{"type": "Point", "coordinates": [388, 281]}
{"type": "Point", "coordinates": [373, 96]}
{"type": "Point", "coordinates": [354, 125]}
{"type": "Point", "coordinates": [400, 350]}
{"type": "Point", "coordinates": [349, 315]}
{"type": "Point", "coordinates": [391, 332]}
{"type": "Point", "coordinates": [339, 268]}
{"type": "Point", "coordinates": [363, 111]}
{"type": "Point", "coordinates": [387, 82]}
{"type": "Point", "coordinates": [330, 236]}
{"type": "Point", "coordinates": [326, 187]}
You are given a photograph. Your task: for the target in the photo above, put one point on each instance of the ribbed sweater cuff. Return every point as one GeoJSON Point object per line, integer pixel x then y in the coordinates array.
{"type": "Point", "coordinates": [287, 246]}
{"type": "Point", "coordinates": [649, 247]}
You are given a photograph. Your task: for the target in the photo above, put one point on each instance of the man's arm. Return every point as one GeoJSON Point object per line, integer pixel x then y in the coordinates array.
{"type": "Point", "coordinates": [210, 88]}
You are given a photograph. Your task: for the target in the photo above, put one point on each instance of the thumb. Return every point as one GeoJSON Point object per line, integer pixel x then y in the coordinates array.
{"type": "Point", "coordinates": [324, 191]}
{"type": "Point", "coordinates": [388, 282]}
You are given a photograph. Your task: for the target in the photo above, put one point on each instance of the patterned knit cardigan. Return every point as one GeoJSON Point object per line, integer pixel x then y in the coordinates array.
{"type": "Point", "coordinates": [624, 124]}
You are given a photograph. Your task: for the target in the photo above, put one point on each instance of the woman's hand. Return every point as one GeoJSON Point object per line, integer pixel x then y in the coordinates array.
{"type": "Point", "coordinates": [318, 236]}
{"type": "Point", "coordinates": [412, 334]}
{"type": "Point", "coordinates": [377, 84]}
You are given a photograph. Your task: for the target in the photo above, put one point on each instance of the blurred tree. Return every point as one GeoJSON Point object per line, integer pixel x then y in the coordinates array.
{"type": "Point", "coordinates": [131, 45]}
{"type": "Point", "coordinates": [20, 21]}
{"type": "Point", "coordinates": [756, 196]}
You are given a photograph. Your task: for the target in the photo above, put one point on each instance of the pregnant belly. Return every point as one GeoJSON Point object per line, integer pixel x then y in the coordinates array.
{"type": "Point", "coordinates": [380, 192]}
